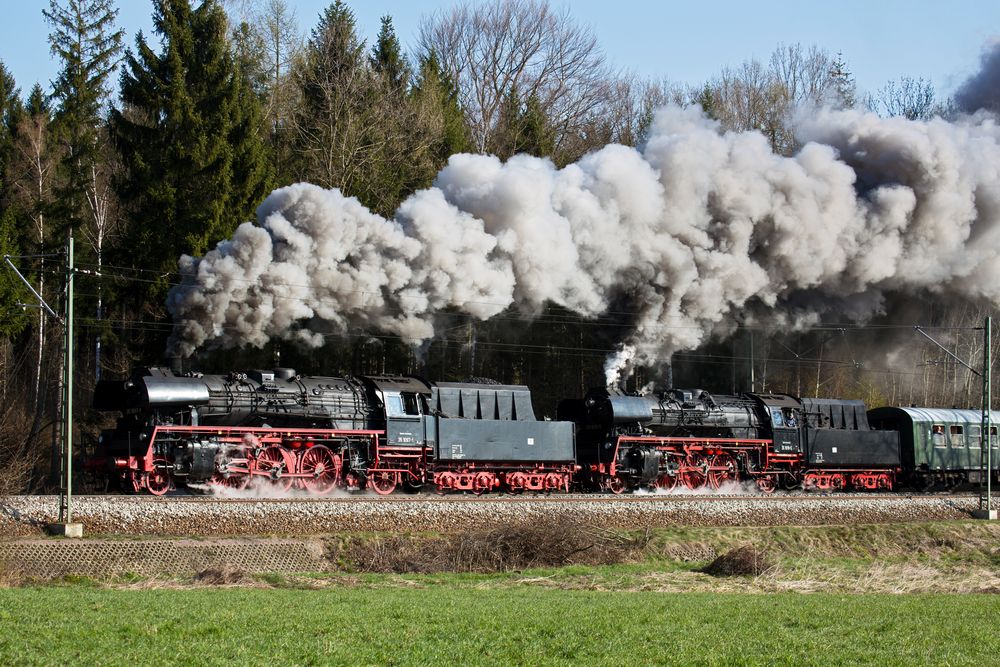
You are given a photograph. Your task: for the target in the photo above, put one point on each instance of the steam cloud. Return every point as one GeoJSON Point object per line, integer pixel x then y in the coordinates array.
{"type": "Point", "coordinates": [697, 227]}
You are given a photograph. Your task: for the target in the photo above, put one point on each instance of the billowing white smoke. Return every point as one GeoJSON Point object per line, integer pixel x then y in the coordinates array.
{"type": "Point", "coordinates": [696, 227]}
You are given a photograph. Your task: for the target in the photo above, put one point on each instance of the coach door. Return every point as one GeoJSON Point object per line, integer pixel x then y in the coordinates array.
{"type": "Point", "coordinates": [404, 424]}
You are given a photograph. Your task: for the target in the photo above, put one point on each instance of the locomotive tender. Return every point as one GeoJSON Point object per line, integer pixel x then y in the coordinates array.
{"type": "Point", "coordinates": [382, 432]}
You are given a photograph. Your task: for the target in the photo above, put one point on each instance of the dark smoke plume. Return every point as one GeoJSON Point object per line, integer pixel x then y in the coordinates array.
{"type": "Point", "coordinates": [981, 91]}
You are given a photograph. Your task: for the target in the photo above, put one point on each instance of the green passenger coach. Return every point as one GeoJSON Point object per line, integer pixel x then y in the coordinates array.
{"type": "Point", "coordinates": [940, 446]}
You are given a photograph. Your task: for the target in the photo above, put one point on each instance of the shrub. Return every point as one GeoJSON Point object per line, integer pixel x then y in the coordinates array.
{"type": "Point", "coordinates": [740, 562]}
{"type": "Point", "coordinates": [518, 546]}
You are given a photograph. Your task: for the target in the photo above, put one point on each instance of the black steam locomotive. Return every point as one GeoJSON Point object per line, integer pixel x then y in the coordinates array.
{"type": "Point", "coordinates": [321, 433]}
{"type": "Point", "coordinates": [694, 438]}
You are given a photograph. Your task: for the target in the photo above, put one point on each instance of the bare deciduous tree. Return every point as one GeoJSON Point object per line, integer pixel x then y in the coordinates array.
{"type": "Point", "coordinates": [101, 224]}
{"type": "Point", "coordinates": [910, 98]}
{"type": "Point", "coordinates": [806, 75]}
{"type": "Point", "coordinates": [490, 49]}
{"type": "Point", "coordinates": [32, 170]}
{"type": "Point", "coordinates": [755, 97]}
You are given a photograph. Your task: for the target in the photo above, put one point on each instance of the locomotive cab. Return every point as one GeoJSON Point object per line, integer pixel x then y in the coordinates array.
{"type": "Point", "coordinates": [784, 413]}
{"type": "Point", "coordinates": [404, 401]}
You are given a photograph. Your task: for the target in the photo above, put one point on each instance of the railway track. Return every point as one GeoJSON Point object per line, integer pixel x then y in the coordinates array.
{"type": "Point", "coordinates": [209, 516]}
{"type": "Point", "coordinates": [502, 498]}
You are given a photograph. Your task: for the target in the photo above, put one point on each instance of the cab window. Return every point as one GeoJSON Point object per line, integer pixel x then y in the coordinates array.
{"type": "Point", "coordinates": [776, 419]}
{"type": "Point", "coordinates": [393, 405]}
{"type": "Point", "coordinates": [957, 436]}
{"type": "Point", "coordinates": [410, 404]}
{"type": "Point", "coordinates": [937, 435]}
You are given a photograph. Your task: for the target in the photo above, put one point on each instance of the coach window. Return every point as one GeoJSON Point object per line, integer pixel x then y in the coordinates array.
{"type": "Point", "coordinates": [993, 437]}
{"type": "Point", "coordinates": [957, 439]}
{"type": "Point", "coordinates": [975, 436]}
{"type": "Point", "coordinates": [937, 435]}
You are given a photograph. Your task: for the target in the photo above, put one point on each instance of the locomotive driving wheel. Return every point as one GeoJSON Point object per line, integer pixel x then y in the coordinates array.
{"type": "Point", "coordinates": [383, 481]}
{"type": "Point", "coordinates": [278, 463]}
{"type": "Point", "coordinates": [665, 481]}
{"type": "Point", "coordinates": [694, 472]}
{"type": "Point", "coordinates": [321, 468]}
{"type": "Point", "coordinates": [234, 474]}
{"type": "Point", "coordinates": [615, 485]}
{"type": "Point", "coordinates": [231, 480]}
{"type": "Point", "coordinates": [721, 470]}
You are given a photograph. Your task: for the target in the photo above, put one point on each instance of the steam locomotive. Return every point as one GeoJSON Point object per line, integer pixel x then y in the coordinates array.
{"type": "Point", "coordinates": [384, 432]}
{"type": "Point", "coordinates": [320, 433]}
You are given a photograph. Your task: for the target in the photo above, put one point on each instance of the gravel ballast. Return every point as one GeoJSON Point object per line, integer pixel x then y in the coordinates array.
{"type": "Point", "coordinates": [131, 515]}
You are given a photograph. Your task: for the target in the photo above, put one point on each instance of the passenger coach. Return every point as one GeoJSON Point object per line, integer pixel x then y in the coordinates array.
{"type": "Point", "coordinates": [939, 447]}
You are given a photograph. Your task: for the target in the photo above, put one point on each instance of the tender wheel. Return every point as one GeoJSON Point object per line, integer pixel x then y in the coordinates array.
{"type": "Point", "coordinates": [322, 469]}
{"type": "Point", "coordinates": [278, 464]}
{"type": "Point", "coordinates": [383, 481]}
{"type": "Point", "coordinates": [482, 483]}
{"type": "Point", "coordinates": [722, 469]}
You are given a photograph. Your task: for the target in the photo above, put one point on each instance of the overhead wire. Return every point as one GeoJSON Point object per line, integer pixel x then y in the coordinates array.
{"type": "Point", "coordinates": [113, 272]}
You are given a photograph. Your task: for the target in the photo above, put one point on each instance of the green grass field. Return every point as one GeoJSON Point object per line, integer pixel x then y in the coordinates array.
{"type": "Point", "coordinates": [440, 623]}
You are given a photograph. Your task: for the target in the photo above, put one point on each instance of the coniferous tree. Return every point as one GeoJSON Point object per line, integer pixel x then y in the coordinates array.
{"type": "Point", "coordinates": [11, 111]}
{"type": "Point", "coordinates": [329, 123]}
{"type": "Point", "coordinates": [844, 89]}
{"type": "Point", "coordinates": [84, 38]}
{"type": "Point", "coordinates": [435, 92]}
{"type": "Point", "coordinates": [12, 317]}
{"type": "Point", "coordinates": [523, 128]}
{"type": "Point", "coordinates": [387, 58]}
{"type": "Point", "coordinates": [506, 137]}
{"type": "Point", "coordinates": [193, 165]}
{"type": "Point", "coordinates": [536, 135]}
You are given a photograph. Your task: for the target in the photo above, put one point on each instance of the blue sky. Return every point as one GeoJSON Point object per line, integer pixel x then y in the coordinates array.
{"type": "Point", "coordinates": [685, 42]}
